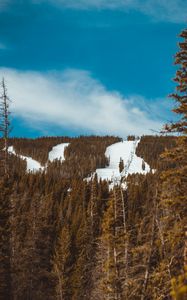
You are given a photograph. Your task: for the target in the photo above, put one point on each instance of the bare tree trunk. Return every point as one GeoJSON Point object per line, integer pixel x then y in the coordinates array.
{"type": "Point", "coordinates": [126, 240]}
{"type": "Point", "coordinates": [4, 123]}
{"type": "Point", "coordinates": [147, 270]}
{"type": "Point", "coordinates": [146, 276]}
{"type": "Point", "coordinates": [108, 269]}
{"type": "Point", "coordinates": [92, 205]}
{"type": "Point", "coordinates": [163, 245]}
{"type": "Point", "coordinates": [5, 126]}
{"type": "Point", "coordinates": [114, 249]}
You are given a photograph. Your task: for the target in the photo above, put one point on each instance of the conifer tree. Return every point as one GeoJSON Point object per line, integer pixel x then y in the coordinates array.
{"type": "Point", "coordinates": [178, 156]}
{"type": "Point", "coordinates": [113, 249]}
{"type": "Point", "coordinates": [173, 180]}
{"type": "Point", "coordinates": [121, 165]}
{"type": "Point", "coordinates": [180, 96]}
{"type": "Point", "coordinates": [60, 263]}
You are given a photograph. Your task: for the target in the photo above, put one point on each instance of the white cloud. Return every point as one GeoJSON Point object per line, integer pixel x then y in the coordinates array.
{"type": "Point", "coordinates": [75, 100]}
{"type": "Point", "coordinates": [164, 10]}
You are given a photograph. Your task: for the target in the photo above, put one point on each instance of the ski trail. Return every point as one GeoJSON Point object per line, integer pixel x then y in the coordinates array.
{"type": "Point", "coordinates": [125, 150]}
{"type": "Point", "coordinates": [32, 165]}
{"type": "Point", "coordinates": [125, 171]}
{"type": "Point", "coordinates": [57, 152]}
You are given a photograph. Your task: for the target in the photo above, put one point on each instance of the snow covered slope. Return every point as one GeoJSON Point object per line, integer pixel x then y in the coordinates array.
{"type": "Point", "coordinates": [32, 165]}
{"type": "Point", "coordinates": [132, 163]}
{"type": "Point", "coordinates": [57, 152]}
{"type": "Point", "coordinates": [124, 150]}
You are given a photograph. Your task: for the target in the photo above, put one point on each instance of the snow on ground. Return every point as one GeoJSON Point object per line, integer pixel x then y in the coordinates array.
{"type": "Point", "coordinates": [32, 165]}
{"type": "Point", "coordinates": [132, 163]}
{"type": "Point", "coordinates": [57, 152]}
{"type": "Point", "coordinates": [124, 150]}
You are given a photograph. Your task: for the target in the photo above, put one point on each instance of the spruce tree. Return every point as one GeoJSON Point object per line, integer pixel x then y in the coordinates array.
{"type": "Point", "coordinates": [121, 165]}
{"type": "Point", "coordinates": [61, 259]}
{"type": "Point", "coordinates": [178, 155]}
{"type": "Point", "coordinates": [173, 197]}
{"type": "Point", "coordinates": [180, 96]}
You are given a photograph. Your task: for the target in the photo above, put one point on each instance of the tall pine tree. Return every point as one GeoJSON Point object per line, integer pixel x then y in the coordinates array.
{"type": "Point", "coordinates": [174, 180]}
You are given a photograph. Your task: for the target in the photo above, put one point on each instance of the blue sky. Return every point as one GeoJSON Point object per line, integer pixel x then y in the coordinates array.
{"type": "Point", "coordinates": [89, 66]}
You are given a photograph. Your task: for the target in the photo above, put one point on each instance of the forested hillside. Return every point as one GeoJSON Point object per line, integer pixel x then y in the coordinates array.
{"type": "Point", "coordinates": [69, 238]}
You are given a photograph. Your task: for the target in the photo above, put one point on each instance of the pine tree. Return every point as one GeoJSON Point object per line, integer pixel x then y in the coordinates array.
{"type": "Point", "coordinates": [113, 250]}
{"type": "Point", "coordinates": [61, 260]}
{"type": "Point", "coordinates": [180, 97]}
{"type": "Point", "coordinates": [173, 180]}
{"type": "Point", "coordinates": [178, 156]}
{"type": "Point", "coordinates": [121, 165]}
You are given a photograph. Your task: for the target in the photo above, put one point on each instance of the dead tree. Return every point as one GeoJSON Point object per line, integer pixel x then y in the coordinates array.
{"type": "Point", "coordinates": [5, 122]}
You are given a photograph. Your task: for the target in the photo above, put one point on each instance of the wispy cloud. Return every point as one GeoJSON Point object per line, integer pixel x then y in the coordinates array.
{"type": "Point", "coordinates": [76, 100]}
{"type": "Point", "coordinates": [159, 10]}
{"type": "Point", "coordinates": [2, 46]}
{"type": "Point", "coordinates": [164, 10]}
{"type": "Point", "coordinates": [4, 4]}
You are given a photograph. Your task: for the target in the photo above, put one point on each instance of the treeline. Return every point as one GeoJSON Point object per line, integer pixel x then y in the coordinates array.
{"type": "Point", "coordinates": [92, 148]}
{"type": "Point", "coordinates": [38, 148]}
{"type": "Point", "coordinates": [83, 156]}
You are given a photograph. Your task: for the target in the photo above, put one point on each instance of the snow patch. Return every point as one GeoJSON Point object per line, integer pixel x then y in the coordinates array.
{"type": "Point", "coordinates": [125, 150]}
{"type": "Point", "coordinates": [32, 165]}
{"type": "Point", "coordinates": [57, 152]}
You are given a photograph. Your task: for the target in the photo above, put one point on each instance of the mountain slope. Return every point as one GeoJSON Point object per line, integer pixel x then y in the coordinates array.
{"type": "Point", "coordinates": [126, 152]}
{"type": "Point", "coordinates": [81, 239]}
